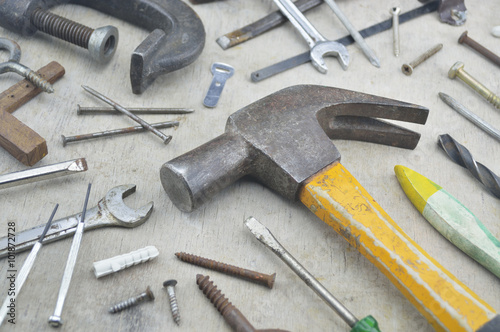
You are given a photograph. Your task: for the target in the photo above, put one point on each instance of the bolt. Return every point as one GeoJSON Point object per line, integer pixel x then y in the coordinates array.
{"type": "Point", "coordinates": [257, 277]}
{"type": "Point", "coordinates": [457, 70]}
{"type": "Point", "coordinates": [407, 69]}
{"type": "Point", "coordinates": [169, 285]}
{"type": "Point", "coordinates": [465, 39]}
{"type": "Point", "coordinates": [395, 11]}
{"type": "Point", "coordinates": [133, 301]}
{"type": "Point", "coordinates": [101, 42]}
{"type": "Point", "coordinates": [230, 313]}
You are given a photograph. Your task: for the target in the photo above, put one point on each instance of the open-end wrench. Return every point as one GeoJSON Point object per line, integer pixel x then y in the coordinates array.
{"type": "Point", "coordinates": [319, 45]}
{"type": "Point", "coordinates": [110, 211]}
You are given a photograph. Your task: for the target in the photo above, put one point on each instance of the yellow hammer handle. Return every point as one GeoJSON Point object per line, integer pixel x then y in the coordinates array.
{"type": "Point", "coordinates": [338, 199]}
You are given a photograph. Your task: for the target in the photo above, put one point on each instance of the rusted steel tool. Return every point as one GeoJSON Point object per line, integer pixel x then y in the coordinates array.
{"type": "Point", "coordinates": [19, 140]}
{"type": "Point", "coordinates": [111, 210]}
{"type": "Point", "coordinates": [282, 141]}
{"type": "Point", "coordinates": [176, 40]}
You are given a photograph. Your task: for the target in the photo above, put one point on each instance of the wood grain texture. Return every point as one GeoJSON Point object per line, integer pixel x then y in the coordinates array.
{"type": "Point", "coordinates": [18, 139]}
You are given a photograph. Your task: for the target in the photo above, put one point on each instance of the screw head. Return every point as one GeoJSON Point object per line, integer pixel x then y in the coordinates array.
{"type": "Point", "coordinates": [452, 73]}
{"type": "Point", "coordinates": [102, 43]}
{"type": "Point", "coordinates": [463, 37]}
{"type": "Point", "coordinates": [407, 69]}
{"type": "Point", "coordinates": [395, 10]}
{"type": "Point", "coordinates": [55, 321]}
{"type": "Point", "coordinates": [150, 294]}
{"type": "Point", "coordinates": [171, 282]}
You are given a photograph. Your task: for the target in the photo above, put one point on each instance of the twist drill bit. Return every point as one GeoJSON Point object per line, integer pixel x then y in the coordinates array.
{"type": "Point", "coordinates": [460, 155]}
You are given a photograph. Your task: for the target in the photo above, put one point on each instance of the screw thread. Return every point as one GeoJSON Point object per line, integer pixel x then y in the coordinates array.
{"type": "Point", "coordinates": [208, 263]}
{"type": "Point", "coordinates": [61, 27]}
{"type": "Point", "coordinates": [133, 301]}
{"type": "Point", "coordinates": [124, 305]}
{"type": "Point", "coordinates": [38, 81]}
{"type": "Point", "coordinates": [175, 308]}
{"type": "Point", "coordinates": [213, 294]}
{"type": "Point", "coordinates": [479, 88]}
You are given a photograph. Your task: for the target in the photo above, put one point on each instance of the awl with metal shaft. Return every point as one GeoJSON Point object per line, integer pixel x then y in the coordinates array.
{"type": "Point", "coordinates": [451, 218]}
{"type": "Point", "coordinates": [25, 270]}
{"type": "Point", "coordinates": [367, 324]}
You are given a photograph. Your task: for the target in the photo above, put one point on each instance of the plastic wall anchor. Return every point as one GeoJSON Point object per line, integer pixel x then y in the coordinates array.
{"type": "Point", "coordinates": [121, 262]}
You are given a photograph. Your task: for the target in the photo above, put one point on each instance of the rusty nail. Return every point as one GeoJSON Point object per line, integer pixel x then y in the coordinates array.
{"type": "Point", "coordinates": [465, 39]}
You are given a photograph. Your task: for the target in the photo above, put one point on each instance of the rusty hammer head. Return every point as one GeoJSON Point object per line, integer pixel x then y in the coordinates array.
{"type": "Point", "coordinates": [284, 138]}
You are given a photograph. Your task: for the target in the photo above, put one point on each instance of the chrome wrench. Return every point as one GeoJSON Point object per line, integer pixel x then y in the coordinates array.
{"type": "Point", "coordinates": [318, 44]}
{"type": "Point", "coordinates": [110, 211]}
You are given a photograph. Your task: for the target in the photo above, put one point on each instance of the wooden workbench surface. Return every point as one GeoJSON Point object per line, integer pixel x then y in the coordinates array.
{"type": "Point", "coordinates": [216, 230]}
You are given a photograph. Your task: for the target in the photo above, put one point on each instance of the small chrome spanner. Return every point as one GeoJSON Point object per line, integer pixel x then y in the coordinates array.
{"type": "Point", "coordinates": [110, 211]}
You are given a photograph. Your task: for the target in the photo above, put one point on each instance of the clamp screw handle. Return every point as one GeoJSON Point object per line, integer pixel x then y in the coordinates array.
{"type": "Point", "coordinates": [100, 42]}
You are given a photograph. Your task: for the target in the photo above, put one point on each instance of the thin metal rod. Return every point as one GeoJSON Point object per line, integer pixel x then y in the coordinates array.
{"type": "Point", "coordinates": [266, 237]}
{"type": "Point", "coordinates": [80, 110]}
{"type": "Point", "coordinates": [25, 269]}
{"type": "Point", "coordinates": [354, 33]}
{"type": "Point", "coordinates": [166, 138]}
{"type": "Point", "coordinates": [55, 319]}
{"type": "Point", "coordinates": [461, 109]}
{"type": "Point", "coordinates": [43, 173]}
{"type": "Point", "coordinates": [115, 132]}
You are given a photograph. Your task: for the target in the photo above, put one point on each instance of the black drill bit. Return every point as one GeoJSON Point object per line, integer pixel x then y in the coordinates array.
{"type": "Point", "coordinates": [460, 155]}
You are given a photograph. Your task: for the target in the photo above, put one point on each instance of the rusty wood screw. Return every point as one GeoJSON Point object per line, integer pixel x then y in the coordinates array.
{"type": "Point", "coordinates": [133, 301]}
{"type": "Point", "coordinates": [457, 70]}
{"type": "Point", "coordinates": [101, 42]}
{"type": "Point", "coordinates": [465, 39]}
{"type": "Point", "coordinates": [407, 69]}
{"type": "Point", "coordinates": [230, 313]}
{"type": "Point", "coordinates": [257, 277]}
{"type": "Point", "coordinates": [169, 285]}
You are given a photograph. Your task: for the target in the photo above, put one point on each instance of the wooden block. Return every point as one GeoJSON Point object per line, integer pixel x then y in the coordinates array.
{"type": "Point", "coordinates": [19, 140]}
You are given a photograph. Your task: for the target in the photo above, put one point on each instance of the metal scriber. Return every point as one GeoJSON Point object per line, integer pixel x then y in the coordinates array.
{"type": "Point", "coordinates": [55, 319]}
{"type": "Point", "coordinates": [43, 173]}
{"type": "Point", "coordinates": [109, 211]}
{"type": "Point", "coordinates": [25, 270]}
{"type": "Point", "coordinates": [266, 237]}
{"type": "Point", "coordinates": [354, 33]}
{"type": "Point", "coordinates": [460, 155]}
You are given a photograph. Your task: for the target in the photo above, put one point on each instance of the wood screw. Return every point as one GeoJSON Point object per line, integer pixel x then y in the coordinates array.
{"type": "Point", "coordinates": [169, 285]}
{"type": "Point", "coordinates": [407, 69]}
{"type": "Point", "coordinates": [133, 301]}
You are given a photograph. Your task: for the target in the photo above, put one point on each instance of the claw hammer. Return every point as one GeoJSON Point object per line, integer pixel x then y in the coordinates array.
{"type": "Point", "coordinates": [283, 141]}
